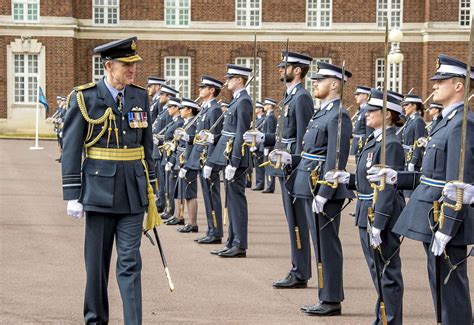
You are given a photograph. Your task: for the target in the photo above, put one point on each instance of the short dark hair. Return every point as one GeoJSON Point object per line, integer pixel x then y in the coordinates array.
{"type": "Point", "coordinates": [304, 68]}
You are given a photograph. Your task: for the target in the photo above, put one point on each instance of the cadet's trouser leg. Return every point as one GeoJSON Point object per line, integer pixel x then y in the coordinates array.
{"type": "Point", "coordinates": [456, 306]}
{"type": "Point", "coordinates": [160, 171]}
{"type": "Point", "coordinates": [172, 188]}
{"type": "Point", "coordinates": [331, 249]}
{"type": "Point", "coordinates": [270, 182]}
{"type": "Point", "coordinates": [300, 258]}
{"type": "Point", "coordinates": [237, 209]}
{"type": "Point", "coordinates": [259, 171]}
{"type": "Point", "coordinates": [392, 280]}
{"type": "Point", "coordinates": [215, 183]}
{"type": "Point", "coordinates": [129, 266]}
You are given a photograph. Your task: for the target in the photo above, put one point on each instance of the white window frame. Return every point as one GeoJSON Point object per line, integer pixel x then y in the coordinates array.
{"type": "Point", "coordinates": [394, 83]}
{"type": "Point", "coordinates": [309, 82]}
{"type": "Point", "coordinates": [98, 70]}
{"type": "Point", "coordinates": [176, 78]}
{"type": "Point", "coordinates": [178, 9]}
{"type": "Point", "coordinates": [25, 17]}
{"type": "Point", "coordinates": [248, 62]}
{"type": "Point", "coordinates": [30, 78]}
{"type": "Point", "coordinates": [390, 13]}
{"type": "Point", "coordinates": [247, 22]}
{"type": "Point", "coordinates": [107, 12]}
{"type": "Point", "coordinates": [465, 12]}
{"type": "Point", "coordinates": [318, 12]}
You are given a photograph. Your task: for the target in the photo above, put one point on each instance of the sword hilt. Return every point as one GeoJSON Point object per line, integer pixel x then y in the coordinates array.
{"type": "Point", "coordinates": [456, 207]}
{"type": "Point", "coordinates": [298, 238]}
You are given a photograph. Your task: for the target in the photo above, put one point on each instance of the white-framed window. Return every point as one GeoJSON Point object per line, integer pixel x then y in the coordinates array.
{"type": "Point", "coordinates": [394, 76]}
{"type": "Point", "coordinates": [319, 13]}
{"type": "Point", "coordinates": [391, 10]}
{"type": "Point", "coordinates": [25, 76]}
{"type": "Point", "coordinates": [106, 12]}
{"type": "Point", "coordinates": [98, 70]}
{"type": "Point", "coordinates": [465, 7]}
{"type": "Point", "coordinates": [178, 74]}
{"type": "Point", "coordinates": [312, 72]}
{"type": "Point", "coordinates": [248, 62]}
{"type": "Point", "coordinates": [25, 10]}
{"type": "Point", "coordinates": [248, 13]}
{"type": "Point", "coordinates": [177, 12]}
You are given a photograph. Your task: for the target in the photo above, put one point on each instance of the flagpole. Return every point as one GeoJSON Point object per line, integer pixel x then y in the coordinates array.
{"type": "Point", "coordinates": [37, 147]}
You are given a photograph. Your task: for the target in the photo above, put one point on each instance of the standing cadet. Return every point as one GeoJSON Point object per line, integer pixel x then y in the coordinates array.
{"type": "Point", "coordinates": [414, 129]}
{"type": "Point", "coordinates": [446, 236]}
{"type": "Point", "coordinates": [153, 88]}
{"type": "Point", "coordinates": [269, 127]}
{"type": "Point", "coordinates": [117, 177]}
{"type": "Point", "coordinates": [209, 89]}
{"type": "Point", "coordinates": [434, 110]}
{"type": "Point", "coordinates": [258, 153]}
{"type": "Point", "coordinates": [360, 131]}
{"type": "Point", "coordinates": [231, 153]}
{"type": "Point", "coordinates": [58, 122]}
{"type": "Point", "coordinates": [297, 111]}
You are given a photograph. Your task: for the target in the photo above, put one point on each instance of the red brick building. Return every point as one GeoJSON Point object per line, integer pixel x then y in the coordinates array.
{"type": "Point", "coordinates": [50, 42]}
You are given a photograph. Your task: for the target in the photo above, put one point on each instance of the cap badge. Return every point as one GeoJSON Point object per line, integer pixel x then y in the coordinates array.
{"type": "Point", "coordinates": [133, 46]}
{"type": "Point", "coordinates": [438, 63]}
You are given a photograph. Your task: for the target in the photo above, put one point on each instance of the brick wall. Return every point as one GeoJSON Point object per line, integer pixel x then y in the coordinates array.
{"type": "Point", "coordinates": [59, 8]}
{"type": "Point", "coordinates": [211, 10]}
{"type": "Point", "coordinates": [284, 11]}
{"type": "Point", "coordinates": [5, 7]}
{"type": "Point", "coordinates": [358, 11]}
{"type": "Point", "coordinates": [442, 10]}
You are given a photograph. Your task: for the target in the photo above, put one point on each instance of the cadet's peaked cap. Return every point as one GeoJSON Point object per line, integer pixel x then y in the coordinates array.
{"type": "Point", "coordinates": [411, 99]}
{"type": "Point", "coordinates": [224, 103]}
{"type": "Point", "coordinates": [436, 105]}
{"type": "Point", "coordinates": [269, 101]}
{"type": "Point", "coordinates": [375, 101]}
{"type": "Point", "coordinates": [448, 67]}
{"type": "Point", "coordinates": [174, 101]}
{"type": "Point", "coordinates": [186, 102]}
{"type": "Point", "coordinates": [237, 70]}
{"type": "Point", "coordinates": [207, 81]}
{"type": "Point", "coordinates": [155, 81]}
{"type": "Point", "coordinates": [123, 50]}
{"type": "Point", "coordinates": [165, 89]}
{"type": "Point", "coordinates": [59, 97]}
{"type": "Point", "coordinates": [362, 90]}
{"type": "Point", "coordinates": [395, 94]}
{"type": "Point", "coordinates": [326, 70]}
{"type": "Point", "coordinates": [259, 104]}
{"type": "Point", "coordinates": [294, 58]}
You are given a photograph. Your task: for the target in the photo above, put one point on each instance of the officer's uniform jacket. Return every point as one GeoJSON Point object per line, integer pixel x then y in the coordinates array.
{"type": "Point", "coordinates": [415, 128]}
{"type": "Point", "coordinates": [184, 148]}
{"type": "Point", "coordinates": [441, 163]}
{"type": "Point", "coordinates": [360, 131]}
{"type": "Point", "coordinates": [210, 113]}
{"type": "Point", "coordinates": [107, 185]}
{"type": "Point", "coordinates": [268, 127]}
{"type": "Point", "coordinates": [237, 120]}
{"type": "Point", "coordinates": [168, 135]}
{"type": "Point", "coordinates": [160, 122]}
{"type": "Point", "coordinates": [319, 141]}
{"type": "Point", "coordinates": [155, 107]}
{"type": "Point", "coordinates": [433, 124]}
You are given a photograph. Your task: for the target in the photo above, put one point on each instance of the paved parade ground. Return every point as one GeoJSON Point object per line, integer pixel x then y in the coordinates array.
{"type": "Point", "coordinates": [42, 270]}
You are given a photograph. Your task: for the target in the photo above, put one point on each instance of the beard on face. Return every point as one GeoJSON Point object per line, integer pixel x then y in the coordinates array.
{"type": "Point", "coordinates": [289, 77]}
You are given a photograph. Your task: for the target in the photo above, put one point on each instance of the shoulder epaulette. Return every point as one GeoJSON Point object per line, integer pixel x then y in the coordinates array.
{"type": "Point", "coordinates": [86, 86]}
{"type": "Point", "coordinates": [68, 98]}
{"type": "Point", "coordinates": [138, 86]}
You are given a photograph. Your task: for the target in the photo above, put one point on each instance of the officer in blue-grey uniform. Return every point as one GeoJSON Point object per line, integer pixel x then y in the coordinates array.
{"type": "Point", "coordinates": [209, 89]}
{"type": "Point", "coordinates": [269, 126]}
{"type": "Point", "coordinates": [449, 234]}
{"type": "Point", "coordinates": [434, 110]}
{"type": "Point", "coordinates": [360, 131]}
{"type": "Point", "coordinates": [58, 122]}
{"type": "Point", "coordinates": [117, 177]}
{"type": "Point", "coordinates": [153, 87]}
{"type": "Point", "coordinates": [231, 153]}
{"type": "Point", "coordinates": [258, 151]}
{"type": "Point", "coordinates": [298, 109]}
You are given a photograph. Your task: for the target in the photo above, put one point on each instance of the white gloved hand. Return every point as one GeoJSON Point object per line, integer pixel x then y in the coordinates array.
{"type": "Point", "coordinates": [341, 176]}
{"type": "Point", "coordinates": [253, 149]}
{"type": "Point", "coordinates": [450, 191]}
{"type": "Point", "coordinates": [207, 136]}
{"type": "Point", "coordinates": [440, 241]}
{"type": "Point", "coordinates": [180, 134]}
{"type": "Point", "coordinates": [229, 172]}
{"type": "Point", "coordinates": [422, 142]}
{"type": "Point", "coordinates": [206, 172]}
{"type": "Point", "coordinates": [182, 173]}
{"type": "Point", "coordinates": [266, 151]}
{"type": "Point", "coordinates": [156, 141]}
{"type": "Point", "coordinates": [249, 136]}
{"type": "Point", "coordinates": [168, 166]}
{"type": "Point", "coordinates": [375, 174]}
{"type": "Point", "coordinates": [375, 239]}
{"type": "Point", "coordinates": [411, 167]}
{"type": "Point", "coordinates": [75, 209]}
{"type": "Point", "coordinates": [318, 204]}
{"type": "Point", "coordinates": [285, 157]}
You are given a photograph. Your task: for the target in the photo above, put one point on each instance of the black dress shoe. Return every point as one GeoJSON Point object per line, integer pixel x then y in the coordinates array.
{"type": "Point", "coordinates": [323, 309]}
{"type": "Point", "coordinates": [210, 240]}
{"type": "Point", "coordinates": [290, 282]}
{"type": "Point", "coordinates": [188, 228]}
{"type": "Point", "coordinates": [165, 216]}
{"type": "Point", "coordinates": [267, 190]}
{"type": "Point", "coordinates": [175, 221]}
{"type": "Point", "coordinates": [257, 188]}
{"type": "Point", "coordinates": [218, 251]}
{"type": "Point", "coordinates": [233, 252]}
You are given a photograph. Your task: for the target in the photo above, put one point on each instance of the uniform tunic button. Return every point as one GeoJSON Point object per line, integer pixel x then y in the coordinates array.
{"type": "Point", "coordinates": [433, 145]}
{"type": "Point", "coordinates": [125, 147]}
{"type": "Point", "coordinates": [97, 172]}
{"type": "Point", "coordinates": [124, 132]}
{"type": "Point", "coordinates": [123, 118]}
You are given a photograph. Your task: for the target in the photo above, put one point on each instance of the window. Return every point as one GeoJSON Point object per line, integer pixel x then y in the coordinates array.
{"type": "Point", "coordinates": [177, 12]}
{"type": "Point", "coordinates": [318, 13]}
{"type": "Point", "coordinates": [25, 77]}
{"type": "Point", "coordinates": [106, 12]}
{"type": "Point", "coordinates": [464, 13]}
{"type": "Point", "coordinates": [394, 76]}
{"type": "Point", "coordinates": [97, 68]}
{"type": "Point", "coordinates": [391, 10]}
{"type": "Point", "coordinates": [178, 74]}
{"type": "Point", "coordinates": [248, 62]}
{"type": "Point", "coordinates": [312, 72]}
{"type": "Point", "coordinates": [248, 13]}
{"type": "Point", "coordinates": [25, 10]}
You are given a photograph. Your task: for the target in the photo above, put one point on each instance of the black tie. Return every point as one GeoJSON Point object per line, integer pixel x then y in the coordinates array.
{"type": "Point", "coordinates": [118, 101]}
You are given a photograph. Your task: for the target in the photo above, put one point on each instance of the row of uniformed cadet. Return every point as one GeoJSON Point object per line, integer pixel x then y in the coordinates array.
{"type": "Point", "coordinates": [58, 122]}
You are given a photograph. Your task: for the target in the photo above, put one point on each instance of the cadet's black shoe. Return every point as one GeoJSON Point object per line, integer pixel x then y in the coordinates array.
{"type": "Point", "coordinates": [257, 188]}
{"type": "Point", "coordinates": [233, 252]}
{"type": "Point", "coordinates": [290, 282]}
{"type": "Point", "coordinates": [175, 221]}
{"type": "Point", "coordinates": [323, 309]}
{"type": "Point", "coordinates": [198, 239]}
{"type": "Point", "coordinates": [217, 251]}
{"type": "Point", "coordinates": [267, 190]}
{"type": "Point", "coordinates": [210, 240]}
{"type": "Point", "coordinates": [188, 228]}
{"type": "Point", "coordinates": [165, 216]}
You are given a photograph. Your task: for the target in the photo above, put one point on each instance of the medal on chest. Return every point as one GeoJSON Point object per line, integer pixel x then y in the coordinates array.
{"type": "Point", "coordinates": [137, 118]}
{"type": "Point", "coordinates": [287, 109]}
{"type": "Point", "coordinates": [370, 157]}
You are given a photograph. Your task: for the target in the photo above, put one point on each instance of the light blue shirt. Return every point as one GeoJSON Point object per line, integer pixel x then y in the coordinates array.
{"type": "Point", "coordinates": [114, 92]}
{"type": "Point", "coordinates": [447, 110]}
{"type": "Point", "coordinates": [290, 89]}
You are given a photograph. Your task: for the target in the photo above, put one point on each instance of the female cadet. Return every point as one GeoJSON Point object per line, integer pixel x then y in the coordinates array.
{"type": "Point", "coordinates": [414, 129]}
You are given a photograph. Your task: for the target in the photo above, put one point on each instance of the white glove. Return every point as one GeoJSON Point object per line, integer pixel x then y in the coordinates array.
{"type": "Point", "coordinates": [439, 243]}
{"type": "Point", "coordinates": [318, 204]}
{"type": "Point", "coordinates": [422, 142]}
{"type": "Point", "coordinates": [168, 166]}
{"type": "Point", "coordinates": [156, 141]}
{"type": "Point", "coordinates": [253, 149]}
{"type": "Point", "coordinates": [181, 134]}
{"type": "Point", "coordinates": [206, 172]}
{"type": "Point", "coordinates": [249, 136]}
{"type": "Point", "coordinates": [285, 156]}
{"type": "Point", "coordinates": [450, 191]}
{"type": "Point", "coordinates": [375, 239]}
{"type": "Point", "coordinates": [411, 167]}
{"type": "Point", "coordinates": [375, 174]}
{"type": "Point", "coordinates": [341, 176]}
{"type": "Point", "coordinates": [266, 151]}
{"type": "Point", "coordinates": [75, 209]}
{"type": "Point", "coordinates": [182, 173]}
{"type": "Point", "coordinates": [207, 136]}
{"type": "Point", "coordinates": [229, 172]}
